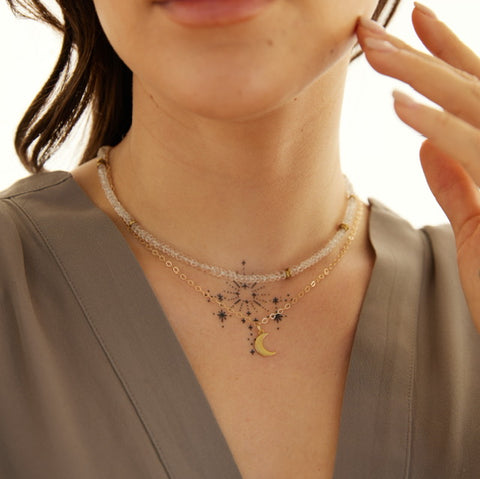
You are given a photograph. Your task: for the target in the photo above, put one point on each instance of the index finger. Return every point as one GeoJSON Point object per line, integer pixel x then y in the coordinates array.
{"type": "Point", "coordinates": [440, 40]}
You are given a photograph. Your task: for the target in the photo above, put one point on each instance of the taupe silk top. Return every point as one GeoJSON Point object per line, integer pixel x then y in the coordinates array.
{"type": "Point", "coordinates": [94, 383]}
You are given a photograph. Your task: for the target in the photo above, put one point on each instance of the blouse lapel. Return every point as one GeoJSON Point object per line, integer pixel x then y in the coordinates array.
{"type": "Point", "coordinates": [134, 334]}
{"type": "Point", "coordinates": [376, 420]}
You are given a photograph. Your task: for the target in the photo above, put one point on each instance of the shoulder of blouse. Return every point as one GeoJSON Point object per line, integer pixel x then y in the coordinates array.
{"type": "Point", "coordinates": [439, 238]}
{"type": "Point", "coordinates": [429, 251]}
{"type": "Point", "coordinates": [34, 182]}
{"type": "Point", "coordinates": [15, 226]}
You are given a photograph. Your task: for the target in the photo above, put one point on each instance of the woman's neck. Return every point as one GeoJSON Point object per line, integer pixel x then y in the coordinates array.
{"type": "Point", "coordinates": [268, 190]}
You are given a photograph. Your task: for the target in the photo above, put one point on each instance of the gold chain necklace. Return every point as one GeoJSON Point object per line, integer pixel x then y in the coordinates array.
{"type": "Point", "coordinates": [261, 334]}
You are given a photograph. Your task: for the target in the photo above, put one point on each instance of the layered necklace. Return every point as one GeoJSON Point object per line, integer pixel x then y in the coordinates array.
{"type": "Point", "coordinates": [231, 302]}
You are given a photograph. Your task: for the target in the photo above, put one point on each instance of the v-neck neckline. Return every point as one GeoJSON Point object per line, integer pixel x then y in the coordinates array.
{"type": "Point", "coordinates": [145, 354]}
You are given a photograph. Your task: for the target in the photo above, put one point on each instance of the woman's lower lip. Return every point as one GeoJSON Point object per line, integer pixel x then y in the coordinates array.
{"type": "Point", "coordinates": [203, 13]}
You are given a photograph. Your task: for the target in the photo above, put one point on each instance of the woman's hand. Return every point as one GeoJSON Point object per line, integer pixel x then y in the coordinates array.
{"type": "Point", "coordinates": [450, 155]}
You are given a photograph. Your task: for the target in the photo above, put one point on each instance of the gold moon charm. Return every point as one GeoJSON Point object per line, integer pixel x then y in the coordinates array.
{"type": "Point", "coordinates": [260, 348]}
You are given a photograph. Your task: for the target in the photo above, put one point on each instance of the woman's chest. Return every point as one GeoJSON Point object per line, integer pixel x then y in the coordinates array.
{"type": "Point", "coordinates": [280, 426]}
{"type": "Point", "coordinates": [279, 415]}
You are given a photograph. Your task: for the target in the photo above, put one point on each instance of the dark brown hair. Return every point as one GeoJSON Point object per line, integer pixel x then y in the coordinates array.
{"type": "Point", "coordinates": [88, 77]}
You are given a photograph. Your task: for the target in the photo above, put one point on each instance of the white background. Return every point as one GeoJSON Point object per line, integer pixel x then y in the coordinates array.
{"type": "Point", "coordinates": [380, 156]}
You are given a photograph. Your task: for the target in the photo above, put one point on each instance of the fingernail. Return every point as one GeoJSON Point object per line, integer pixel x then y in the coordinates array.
{"type": "Point", "coordinates": [380, 45]}
{"type": "Point", "coordinates": [400, 97]}
{"type": "Point", "coordinates": [425, 10]}
{"type": "Point", "coordinates": [371, 25]}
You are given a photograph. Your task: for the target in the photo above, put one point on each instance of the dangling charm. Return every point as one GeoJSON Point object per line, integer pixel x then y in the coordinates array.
{"type": "Point", "coordinates": [259, 343]}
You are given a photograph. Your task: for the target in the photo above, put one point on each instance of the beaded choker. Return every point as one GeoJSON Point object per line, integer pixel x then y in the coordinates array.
{"type": "Point", "coordinates": [218, 271]}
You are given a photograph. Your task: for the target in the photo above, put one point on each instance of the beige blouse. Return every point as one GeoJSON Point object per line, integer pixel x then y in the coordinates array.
{"type": "Point", "coordinates": [94, 383]}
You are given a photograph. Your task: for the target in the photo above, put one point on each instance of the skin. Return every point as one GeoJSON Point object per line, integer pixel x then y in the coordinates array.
{"type": "Point", "coordinates": [235, 129]}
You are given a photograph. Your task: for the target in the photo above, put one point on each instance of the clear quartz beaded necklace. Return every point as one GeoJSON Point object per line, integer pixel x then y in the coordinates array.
{"type": "Point", "coordinates": [103, 167]}
{"type": "Point", "coordinates": [218, 271]}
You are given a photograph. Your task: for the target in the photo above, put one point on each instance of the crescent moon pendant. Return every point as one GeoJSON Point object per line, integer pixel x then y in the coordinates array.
{"type": "Point", "coordinates": [260, 348]}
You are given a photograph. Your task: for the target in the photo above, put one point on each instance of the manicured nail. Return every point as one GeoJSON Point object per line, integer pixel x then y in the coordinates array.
{"type": "Point", "coordinates": [425, 10]}
{"type": "Point", "coordinates": [404, 99]}
{"type": "Point", "coordinates": [380, 45]}
{"type": "Point", "coordinates": [371, 25]}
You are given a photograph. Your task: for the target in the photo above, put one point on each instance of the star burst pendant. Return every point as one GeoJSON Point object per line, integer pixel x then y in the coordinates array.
{"type": "Point", "coordinates": [254, 302]}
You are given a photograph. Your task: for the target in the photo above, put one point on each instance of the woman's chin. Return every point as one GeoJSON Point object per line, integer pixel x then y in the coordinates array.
{"type": "Point", "coordinates": [230, 104]}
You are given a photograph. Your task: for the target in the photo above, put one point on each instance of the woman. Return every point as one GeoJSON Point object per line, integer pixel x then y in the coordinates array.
{"type": "Point", "coordinates": [138, 291]}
